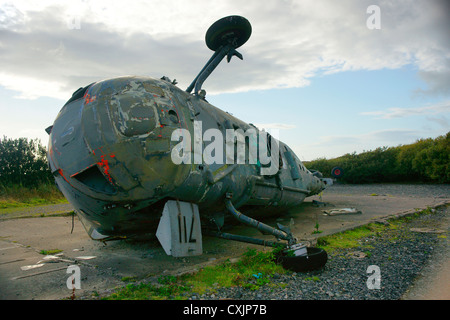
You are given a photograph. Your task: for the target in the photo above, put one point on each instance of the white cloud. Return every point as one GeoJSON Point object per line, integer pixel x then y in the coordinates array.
{"type": "Point", "coordinates": [278, 126]}
{"type": "Point", "coordinates": [32, 88]}
{"type": "Point", "coordinates": [292, 41]}
{"type": "Point", "coordinates": [438, 108]}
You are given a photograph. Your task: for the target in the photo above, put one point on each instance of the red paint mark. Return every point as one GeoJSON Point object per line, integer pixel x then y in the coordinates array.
{"type": "Point", "coordinates": [104, 164]}
{"type": "Point", "coordinates": [93, 151]}
{"type": "Point", "coordinates": [62, 175]}
{"type": "Point", "coordinates": [88, 99]}
{"type": "Point", "coordinates": [51, 157]}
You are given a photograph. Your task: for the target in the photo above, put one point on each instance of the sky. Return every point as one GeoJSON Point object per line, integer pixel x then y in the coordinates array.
{"type": "Point", "coordinates": [333, 77]}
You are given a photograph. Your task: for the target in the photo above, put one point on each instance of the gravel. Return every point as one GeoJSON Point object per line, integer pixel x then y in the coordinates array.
{"type": "Point", "coordinates": [400, 255]}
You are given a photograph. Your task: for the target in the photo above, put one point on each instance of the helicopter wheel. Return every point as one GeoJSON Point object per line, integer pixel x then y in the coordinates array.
{"type": "Point", "coordinates": [337, 172]}
{"type": "Point", "coordinates": [234, 30]}
{"type": "Point", "coordinates": [315, 259]}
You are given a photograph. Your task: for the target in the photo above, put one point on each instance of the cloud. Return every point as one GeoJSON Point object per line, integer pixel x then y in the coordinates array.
{"type": "Point", "coordinates": [292, 41]}
{"type": "Point", "coordinates": [438, 108]}
{"type": "Point", "coordinates": [278, 126]}
{"type": "Point", "coordinates": [438, 82]}
{"type": "Point", "coordinates": [442, 121]}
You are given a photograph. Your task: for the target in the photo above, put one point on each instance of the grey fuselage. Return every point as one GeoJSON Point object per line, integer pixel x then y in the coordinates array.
{"type": "Point", "coordinates": [111, 146]}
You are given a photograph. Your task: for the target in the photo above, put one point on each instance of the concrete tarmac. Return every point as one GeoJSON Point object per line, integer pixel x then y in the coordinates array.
{"type": "Point", "coordinates": [26, 272]}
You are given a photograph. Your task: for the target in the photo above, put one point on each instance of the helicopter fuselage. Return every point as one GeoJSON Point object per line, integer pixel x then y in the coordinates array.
{"type": "Point", "coordinates": [121, 148]}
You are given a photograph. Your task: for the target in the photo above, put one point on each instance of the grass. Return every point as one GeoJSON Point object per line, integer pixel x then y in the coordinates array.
{"type": "Point", "coordinates": [316, 229]}
{"type": "Point", "coordinates": [252, 271]}
{"type": "Point", "coordinates": [351, 238]}
{"type": "Point", "coordinates": [144, 291]}
{"type": "Point", "coordinates": [313, 278]}
{"type": "Point", "coordinates": [51, 251]}
{"type": "Point", "coordinates": [18, 197]}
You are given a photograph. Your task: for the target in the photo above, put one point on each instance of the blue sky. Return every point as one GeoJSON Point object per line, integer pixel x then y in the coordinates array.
{"type": "Point", "coordinates": [312, 70]}
{"type": "Point", "coordinates": [329, 117]}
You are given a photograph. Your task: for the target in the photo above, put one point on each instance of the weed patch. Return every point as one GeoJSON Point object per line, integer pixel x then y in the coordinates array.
{"type": "Point", "coordinates": [18, 196]}
{"type": "Point", "coordinates": [352, 238]}
{"type": "Point", "coordinates": [349, 239]}
{"type": "Point", "coordinates": [252, 271]}
{"type": "Point", "coordinates": [51, 251]}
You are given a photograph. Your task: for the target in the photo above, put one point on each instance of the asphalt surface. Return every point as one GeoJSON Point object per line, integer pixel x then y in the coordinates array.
{"type": "Point", "coordinates": [26, 273]}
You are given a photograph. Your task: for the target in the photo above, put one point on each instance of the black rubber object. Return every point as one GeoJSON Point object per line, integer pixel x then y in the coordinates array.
{"type": "Point", "coordinates": [337, 172]}
{"type": "Point", "coordinates": [315, 259]}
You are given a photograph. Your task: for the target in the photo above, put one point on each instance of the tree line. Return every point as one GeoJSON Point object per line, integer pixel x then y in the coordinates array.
{"type": "Point", "coordinates": [23, 163]}
{"type": "Point", "coordinates": [426, 160]}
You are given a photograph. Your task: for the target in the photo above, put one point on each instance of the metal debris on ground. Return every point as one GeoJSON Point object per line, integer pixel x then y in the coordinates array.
{"type": "Point", "coordinates": [33, 266]}
{"type": "Point", "coordinates": [86, 257]}
{"type": "Point", "coordinates": [316, 203]}
{"type": "Point", "coordinates": [335, 212]}
{"type": "Point", "coordinates": [50, 259]}
{"type": "Point", "coordinates": [427, 230]}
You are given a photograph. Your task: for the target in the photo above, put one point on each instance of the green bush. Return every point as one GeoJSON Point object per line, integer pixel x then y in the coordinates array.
{"type": "Point", "coordinates": [23, 162]}
{"type": "Point", "coordinates": [426, 160]}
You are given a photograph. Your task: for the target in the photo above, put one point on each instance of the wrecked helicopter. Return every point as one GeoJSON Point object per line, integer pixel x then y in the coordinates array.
{"type": "Point", "coordinates": [138, 155]}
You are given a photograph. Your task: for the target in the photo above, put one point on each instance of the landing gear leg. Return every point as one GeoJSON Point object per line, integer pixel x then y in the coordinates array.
{"type": "Point", "coordinates": [296, 256]}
